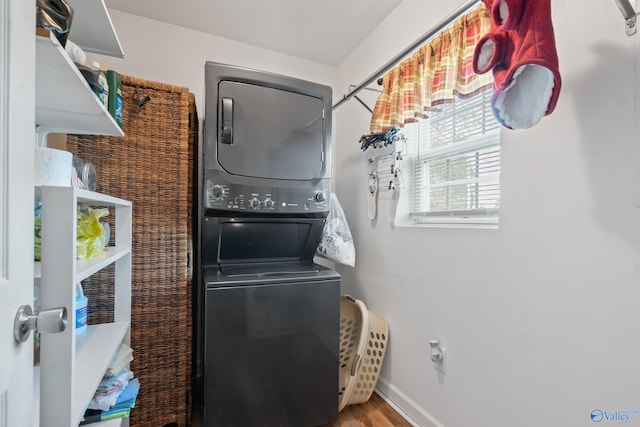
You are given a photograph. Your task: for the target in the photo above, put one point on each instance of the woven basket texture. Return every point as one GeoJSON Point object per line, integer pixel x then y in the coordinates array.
{"type": "Point", "coordinates": [152, 166]}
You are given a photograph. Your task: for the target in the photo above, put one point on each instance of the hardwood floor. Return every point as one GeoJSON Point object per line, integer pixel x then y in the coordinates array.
{"type": "Point", "coordinates": [373, 413]}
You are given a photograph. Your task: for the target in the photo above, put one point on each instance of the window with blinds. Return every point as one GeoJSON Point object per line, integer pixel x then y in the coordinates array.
{"type": "Point", "coordinates": [454, 164]}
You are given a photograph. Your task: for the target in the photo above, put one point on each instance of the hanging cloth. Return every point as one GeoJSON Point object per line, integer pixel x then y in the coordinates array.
{"type": "Point", "coordinates": [435, 74]}
{"type": "Point", "coordinates": [521, 50]}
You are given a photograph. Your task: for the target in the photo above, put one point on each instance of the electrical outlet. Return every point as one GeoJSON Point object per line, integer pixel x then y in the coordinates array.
{"type": "Point", "coordinates": [442, 364]}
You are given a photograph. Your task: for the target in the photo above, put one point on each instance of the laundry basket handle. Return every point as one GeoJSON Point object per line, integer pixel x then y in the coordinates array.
{"type": "Point", "coordinates": [355, 365]}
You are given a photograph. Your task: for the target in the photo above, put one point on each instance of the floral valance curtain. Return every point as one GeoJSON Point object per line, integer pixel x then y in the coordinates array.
{"type": "Point", "coordinates": [441, 69]}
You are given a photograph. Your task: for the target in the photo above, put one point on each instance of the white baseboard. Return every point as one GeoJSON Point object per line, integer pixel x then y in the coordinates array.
{"type": "Point", "coordinates": [406, 407]}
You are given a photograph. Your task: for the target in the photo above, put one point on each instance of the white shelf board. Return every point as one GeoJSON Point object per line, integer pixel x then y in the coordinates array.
{"type": "Point", "coordinates": [90, 197]}
{"type": "Point", "coordinates": [36, 396]}
{"type": "Point", "coordinates": [95, 349]}
{"type": "Point", "coordinates": [87, 267]}
{"type": "Point", "coordinates": [92, 29]}
{"type": "Point", "coordinates": [64, 101]}
{"type": "Point", "coordinates": [117, 422]}
{"type": "Point", "coordinates": [37, 269]}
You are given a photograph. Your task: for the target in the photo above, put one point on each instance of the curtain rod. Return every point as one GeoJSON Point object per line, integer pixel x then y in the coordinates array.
{"type": "Point", "coordinates": [428, 35]}
{"type": "Point", "coordinates": [629, 14]}
{"type": "Point", "coordinates": [626, 9]}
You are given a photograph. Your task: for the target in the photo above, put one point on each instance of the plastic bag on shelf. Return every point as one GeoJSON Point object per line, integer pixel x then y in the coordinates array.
{"type": "Point", "coordinates": [336, 243]}
{"type": "Point", "coordinates": [91, 235]}
{"type": "Point", "coordinates": [55, 16]}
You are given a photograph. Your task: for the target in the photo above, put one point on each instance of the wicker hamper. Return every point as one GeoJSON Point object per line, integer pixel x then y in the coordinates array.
{"type": "Point", "coordinates": [363, 344]}
{"type": "Point", "coordinates": [153, 167]}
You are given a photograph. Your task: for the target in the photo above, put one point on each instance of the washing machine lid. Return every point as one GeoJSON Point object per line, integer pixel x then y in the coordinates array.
{"type": "Point", "coordinates": [240, 275]}
{"type": "Point", "coordinates": [257, 240]}
{"type": "Point", "coordinates": [263, 241]}
{"type": "Point", "coordinates": [270, 269]}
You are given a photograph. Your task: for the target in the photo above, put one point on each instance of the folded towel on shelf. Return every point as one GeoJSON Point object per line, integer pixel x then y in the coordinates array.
{"type": "Point", "coordinates": [110, 383]}
{"type": "Point", "coordinates": [128, 396]}
{"type": "Point", "coordinates": [116, 413]}
{"type": "Point", "coordinates": [109, 390]}
{"type": "Point", "coordinates": [121, 360]}
{"type": "Point", "coordinates": [122, 407]}
{"type": "Point", "coordinates": [93, 416]}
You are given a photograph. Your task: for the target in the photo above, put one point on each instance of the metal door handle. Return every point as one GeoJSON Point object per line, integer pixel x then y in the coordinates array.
{"type": "Point", "coordinates": [47, 321]}
{"type": "Point", "coordinates": [227, 121]}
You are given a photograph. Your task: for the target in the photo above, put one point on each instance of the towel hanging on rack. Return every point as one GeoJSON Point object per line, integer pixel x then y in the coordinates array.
{"type": "Point", "coordinates": [521, 51]}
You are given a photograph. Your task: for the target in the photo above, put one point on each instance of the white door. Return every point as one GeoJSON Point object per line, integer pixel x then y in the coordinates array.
{"type": "Point", "coordinates": [17, 140]}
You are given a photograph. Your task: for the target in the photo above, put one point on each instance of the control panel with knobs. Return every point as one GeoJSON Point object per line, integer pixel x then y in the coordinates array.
{"type": "Point", "coordinates": [268, 203]}
{"type": "Point", "coordinates": [255, 203]}
{"type": "Point", "coordinates": [319, 196]}
{"type": "Point", "coordinates": [224, 196]}
{"type": "Point", "coordinates": [216, 193]}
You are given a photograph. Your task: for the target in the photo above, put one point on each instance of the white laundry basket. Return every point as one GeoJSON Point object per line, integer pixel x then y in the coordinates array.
{"type": "Point", "coordinates": [363, 344]}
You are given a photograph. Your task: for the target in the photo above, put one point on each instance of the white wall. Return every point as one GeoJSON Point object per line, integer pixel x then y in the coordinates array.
{"type": "Point", "coordinates": [176, 55]}
{"type": "Point", "coordinates": [540, 317]}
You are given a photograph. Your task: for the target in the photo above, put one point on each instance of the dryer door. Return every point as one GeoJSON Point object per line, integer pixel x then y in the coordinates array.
{"type": "Point", "coordinates": [265, 132]}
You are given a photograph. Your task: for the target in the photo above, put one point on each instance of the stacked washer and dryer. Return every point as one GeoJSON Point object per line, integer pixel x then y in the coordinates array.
{"type": "Point", "coordinates": [268, 328]}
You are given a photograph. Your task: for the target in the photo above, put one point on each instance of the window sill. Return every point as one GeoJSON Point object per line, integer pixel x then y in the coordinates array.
{"type": "Point", "coordinates": [450, 222]}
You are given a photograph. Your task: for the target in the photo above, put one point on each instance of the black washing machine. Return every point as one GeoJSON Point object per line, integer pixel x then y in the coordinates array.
{"type": "Point", "coordinates": [271, 325]}
{"type": "Point", "coordinates": [268, 317]}
{"type": "Point", "coordinates": [271, 346]}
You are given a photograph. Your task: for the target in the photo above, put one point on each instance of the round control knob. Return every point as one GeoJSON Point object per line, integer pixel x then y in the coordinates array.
{"type": "Point", "coordinates": [319, 196]}
{"type": "Point", "coordinates": [269, 204]}
{"type": "Point", "coordinates": [217, 192]}
{"type": "Point", "coordinates": [254, 203]}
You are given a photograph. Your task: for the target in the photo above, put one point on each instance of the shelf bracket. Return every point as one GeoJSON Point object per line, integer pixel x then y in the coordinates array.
{"type": "Point", "coordinates": [42, 135]}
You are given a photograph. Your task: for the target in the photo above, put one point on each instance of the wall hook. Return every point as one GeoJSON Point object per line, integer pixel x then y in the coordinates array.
{"type": "Point", "coordinates": [436, 352]}
{"type": "Point", "coordinates": [141, 100]}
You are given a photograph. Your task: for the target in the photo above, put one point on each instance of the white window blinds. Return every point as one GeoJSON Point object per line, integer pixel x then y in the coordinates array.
{"type": "Point", "coordinates": [455, 163]}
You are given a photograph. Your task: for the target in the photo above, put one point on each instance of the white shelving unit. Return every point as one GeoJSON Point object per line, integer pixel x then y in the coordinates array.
{"type": "Point", "coordinates": [92, 28]}
{"type": "Point", "coordinates": [64, 101]}
{"type": "Point", "coordinates": [72, 365]}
